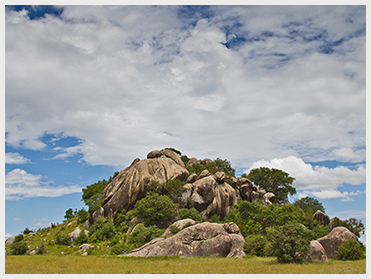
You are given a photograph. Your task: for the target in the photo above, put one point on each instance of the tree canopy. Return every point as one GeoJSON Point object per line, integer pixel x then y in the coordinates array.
{"type": "Point", "coordinates": [273, 180]}
{"type": "Point", "coordinates": [309, 203]}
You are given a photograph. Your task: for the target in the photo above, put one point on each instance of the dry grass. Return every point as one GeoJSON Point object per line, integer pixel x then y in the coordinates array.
{"type": "Point", "coordinates": [73, 264]}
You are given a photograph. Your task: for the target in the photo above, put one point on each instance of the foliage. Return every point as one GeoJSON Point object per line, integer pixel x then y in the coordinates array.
{"type": "Point", "coordinates": [225, 166]}
{"type": "Point", "coordinates": [309, 203]}
{"type": "Point", "coordinates": [290, 242]}
{"type": "Point", "coordinates": [27, 231]}
{"type": "Point", "coordinates": [18, 248]}
{"type": "Point", "coordinates": [41, 249]}
{"type": "Point", "coordinates": [172, 188]}
{"type": "Point", "coordinates": [174, 150]}
{"type": "Point", "coordinates": [198, 168]}
{"type": "Point", "coordinates": [142, 235]}
{"type": "Point", "coordinates": [18, 238]}
{"type": "Point", "coordinates": [63, 240]}
{"type": "Point", "coordinates": [352, 224]}
{"type": "Point", "coordinates": [101, 230]}
{"type": "Point", "coordinates": [308, 220]}
{"type": "Point", "coordinates": [82, 238]}
{"type": "Point", "coordinates": [191, 213]}
{"type": "Point", "coordinates": [69, 214]}
{"type": "Point", "coordinates": [155, 209]}
{"type": "Point", "coordinates": [320, 231]}
{"type": "Point", "coordinates": [349, 250]}
{"type": "Point", "coordinates": [82, 216]}
{"type": "Point", "coordinates": [184, 159]}
{"type": "Point", "coordinates": [256, 245]}
{"type": "Point", "coordinates": [92, 195]}
{"type": "Point", "coordinates": [273, 180]}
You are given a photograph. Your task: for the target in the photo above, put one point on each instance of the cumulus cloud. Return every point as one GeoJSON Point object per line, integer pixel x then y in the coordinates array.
{"type": "Point", "coordinates": [41, 222]}
{"type": "Point", "coordinates": [239, 82]}
{"type": "Point", "coordinates": [20, 185]}
{"type": "Point", "coordinates": [15, 158]}
{"type": "Point", "coordinates": [319, 181]}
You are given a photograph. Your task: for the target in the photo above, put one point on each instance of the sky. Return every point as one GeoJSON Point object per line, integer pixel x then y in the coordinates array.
{"type": "Point", "coordinates": [90, 88]}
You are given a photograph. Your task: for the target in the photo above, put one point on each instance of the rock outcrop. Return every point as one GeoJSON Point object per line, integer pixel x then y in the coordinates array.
{"type": "Point", "coordinates": [268, 198]}
{"type": "Point", "coordinates": [132, 183]}
{"type": "Point", "coordinates": [9, 240]}
{"type": "Point", "coordinates": [178, 225]}
{"type": "Point", "coordinates": [209, 194]}
{"type": "Point", "coordinates": [332, 241]}
{"type": "Point", "coordinates": [316, 252]}
{"type": "Point", "coordinates": [200, 240]}
{"type": "Point", "coordinates": [322, 218]}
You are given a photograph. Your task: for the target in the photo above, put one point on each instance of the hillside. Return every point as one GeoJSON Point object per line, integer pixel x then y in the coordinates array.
{"type": "Point", "coordinates": [148, 202]}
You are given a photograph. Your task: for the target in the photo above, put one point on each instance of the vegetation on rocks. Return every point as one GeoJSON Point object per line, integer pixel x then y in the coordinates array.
{"type": "Point", "coordinates": [276, 230]}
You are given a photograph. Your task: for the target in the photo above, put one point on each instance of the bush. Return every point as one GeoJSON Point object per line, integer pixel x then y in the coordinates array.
{"type": "Point", "coordinates": [18, 248]}
{"type": "Point", "coordinates": [172, 188]}
{"type": "Point", "coordinates": [349, 250]}
{"type": "Point", "coordinates": [41, 249]}
{"type": "Point", "coordinates": [185, 213]}
{"type": "Point", "coordinates": [27, 231]}
{"type": "Point", "coordinates": [82, 238]}
{"type": "Point", "coordinates": [63, 240]}
{"type": "Point", "coordinates": [155, 209]}
{"type": "Point", "coordinates": [142, 235]}
{"type": "Point", "coordinates": [290, 242]}
{"type": "Point", "coordinates": [101, 231]}
{"type": "Point", "coordinates": [82, 216]}
{"type": "Point", "coordinates": [256, 245]}
{"type": "Point", "coordinates": [18, 238]}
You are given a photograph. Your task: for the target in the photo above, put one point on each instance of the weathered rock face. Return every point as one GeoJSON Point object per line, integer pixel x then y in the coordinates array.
{"type": "Point", "coordinates": [245, 189]}
{"type": "Point", "coordinates": [179, 225]}
{"type": "Point", "coordinates": [200, 240]}
{"type": "Point", "coordinates": [9, 240]}
{"type": "Point", "coordinates": [268, 198]}
{"type": "Point", "coordinates": [132, 183]}
{"type": "Point", "coordinates": [332, 241]}
{"type": "Point", "coordinates": [316, 253]}
{"type": "Point", "coordinates": [209, 194]}
{"type": "Point", "coordinates": [322, 218]}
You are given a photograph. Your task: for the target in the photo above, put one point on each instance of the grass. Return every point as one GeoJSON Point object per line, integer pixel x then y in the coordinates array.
{"type": "Point", "coordinates": [73, 264]}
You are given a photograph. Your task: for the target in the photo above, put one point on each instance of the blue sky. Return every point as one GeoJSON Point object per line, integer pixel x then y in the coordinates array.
{"type": "Point", "coordinates": [90, 88]}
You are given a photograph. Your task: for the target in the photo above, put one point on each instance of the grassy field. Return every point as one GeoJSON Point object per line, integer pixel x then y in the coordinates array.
{"type": "Point", "coordinates": [73, 264]}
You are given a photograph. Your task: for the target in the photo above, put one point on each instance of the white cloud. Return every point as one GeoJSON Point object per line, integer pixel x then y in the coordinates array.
{"type": "Point", "coordinates": [319, 181]}
{"type": "Point", "coordinates": [15, 158]}
{"type": "Point", "coordinates": [129, 79]}
{"type": "Point", "coordinates": [17, 219]}
{"type": "Point", "coordinates": [20, 185]}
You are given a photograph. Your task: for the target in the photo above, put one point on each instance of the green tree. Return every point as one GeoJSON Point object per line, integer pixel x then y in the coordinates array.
{"type": "Point", "coordinates": [92, 195]}
{"type": "Point", "coordinates": [18, 248]}
{"type": "Point", "coordinates": [27, 231]}
{"type": "Point", "coordinates": [309, 203]}
{"type": "Point", "coordinates": [69, 214]}
{"type": "Point", "coordinates": [273, 180]}
{"type": "Point", "coordinates": [352, 224]}
{"type": "Point", "coordinates": [349, 250]}
{"type": "Point", "coordinates": [155, 209]}
{"type": "Point", "coordinates": [172, 188]}
{"type": "Point", "coordinates": [290, 243]}
{"type": "Point", "coordinates": [225, 166]}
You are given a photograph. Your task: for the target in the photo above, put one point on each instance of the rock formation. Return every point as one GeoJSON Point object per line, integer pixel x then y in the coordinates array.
{"type": "Point", "coordinates": [322, 218]}
{"type": "Point", "coordinates": [200, 240]}
{"type": "Point", "coordinates": [268, 199]}
{"type": "Point", "coordinates": [209, 194]}
{"type": "Point", "coordinates": [332, 241]}
{"type": "Point", "coordinates": [316, 252]}
{"type": "Point", "coordinates": [132, 183]}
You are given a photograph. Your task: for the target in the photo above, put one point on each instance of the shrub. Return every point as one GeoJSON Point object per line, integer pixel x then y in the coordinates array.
{"type": "Point", "coordinates": [172, 188]}
{"type": "Point", "coordinates": [102, 231]}
{"type": "Point", "coordinates": [290, 242]}
{"type": "Point", "coordinates": [82, 238]}
{"type": "Point", "coordinates": [18, 248]}
{"type": "Point", "coordinates": [225, 166]}
{"type": "Point", "coordinates": [142, 235]}
{"type": "Point", "coordinates": [63, 240]}
{"type": "Point", "coordinates": [82, 215]}
{"type": "Point", "coordinates": [320, 231]}
{"type": "Point", "coordinates": [155, 209]}
{"type": "Point", "coordinates": [198, 168]}
{"type": "Point", "coordinates": [349, 250]}
{"type": "Point", "coordinates": [18, 238]}
{"type": "Point", "coordinates": [41, 249]}
{"type": "Point", "coordinates": [27, 231]}
{"type": "Point", "coordinates": [256, 245]}
{"type": "Point", "coordinates": [192, 213]}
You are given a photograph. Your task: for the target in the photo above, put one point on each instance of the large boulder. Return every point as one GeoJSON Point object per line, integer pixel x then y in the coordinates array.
{"type": "Point", "coordinates": [268, 198]}
{"type": "Point", "coordinates": [9, 240]}
{"type": "Point", "coordinates": [178, 225]}
{"type": "Point", "coordinates": [135, 181]}
{"type": "Point", "coordinates": [209, 195]}
{"type": "Point", "coordinates": [332, 241]}
{"type": "Point", "coordinates": [316, 253]}
{"type": "Point", "coordinates": [322, 218]}
{"type": "Point", "coordinates": [200, 240]}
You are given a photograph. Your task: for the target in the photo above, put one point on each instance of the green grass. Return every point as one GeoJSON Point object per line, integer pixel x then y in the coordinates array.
{"type": "Point", "coordinates": [73, 264]}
